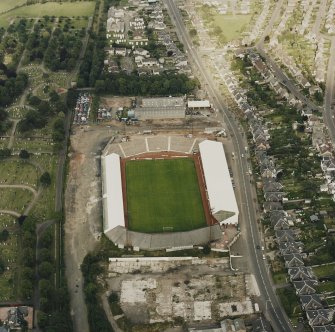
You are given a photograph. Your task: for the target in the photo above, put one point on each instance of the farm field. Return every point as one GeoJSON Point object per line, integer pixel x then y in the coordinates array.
{"type": "Point", "coordinates": [163, 195]}
{"type": "Point", "coordinates": [69, 9]}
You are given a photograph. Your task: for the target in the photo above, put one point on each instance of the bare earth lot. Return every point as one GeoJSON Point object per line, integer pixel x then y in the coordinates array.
{"type": "Point", "coordinates": [83, 213]}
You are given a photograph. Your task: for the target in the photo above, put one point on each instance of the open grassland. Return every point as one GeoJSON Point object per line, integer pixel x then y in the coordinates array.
{"type": "Point", "coordinates": [69, 9]}
{"type": "Point", "coordinates": [231, 25]}
{"type": "Point", "coordinates": [6, 5]}
{"type": "Point", "coordinates": [15, 199]}
{"type": "Point", "coordinates": [163, 194]}
{"type": "Point", "coordinates": [224, 27]}
{"type": "Point", "coordinates": [18, 172]}
{"type": "Point", "coordinates": [9, 256]}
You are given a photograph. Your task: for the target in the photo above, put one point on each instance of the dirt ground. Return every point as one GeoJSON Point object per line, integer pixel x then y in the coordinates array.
{"type": "Point", "coordinates": [200, 291]}
{"type": "Point", "coordinates": [116, 102]}
{"type": "Point", "coordinates": [83, 212]}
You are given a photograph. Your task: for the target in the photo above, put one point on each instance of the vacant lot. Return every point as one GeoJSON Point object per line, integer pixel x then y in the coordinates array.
{"type": "Point", "coordinates": [163, 195]}
{"type": "Point", "coordinates": [69, 9]}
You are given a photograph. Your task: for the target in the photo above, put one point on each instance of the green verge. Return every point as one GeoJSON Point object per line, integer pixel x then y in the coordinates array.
{"type": "Point", "coordinates": [163, 195]}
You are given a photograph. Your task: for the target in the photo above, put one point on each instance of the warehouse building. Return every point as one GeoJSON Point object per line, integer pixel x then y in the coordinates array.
{"type": "Point", "coordinates": [161, 108]}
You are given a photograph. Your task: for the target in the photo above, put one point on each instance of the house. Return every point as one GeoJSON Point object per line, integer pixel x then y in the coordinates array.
{"type": "Point", "coordinates": [303, 287]}
{"type": "Point", "coordinates": [274, 196]}
{"type": "Point", "coordinates": [320, 317]}
{"type": "Point", "coordinates": [271, 206]}
{"type": "Point", "coordinates": [280, 223]}
{"type": "Point", "coordinates": [311, 302]}
{"type": "Point", "coordinates": [286, 235]}
{"type": "Point", "coordinates": [314, 218]}
{"type": "Point", "coordinates": [141, 52]}
{"type": "Point", "coordinates": [293, 260]}
{"type": "Point", "coordinates": [270, 186]}
{"type": "Point", "coordinates": [268, 170]}
{"type": "Point", "coordinates": [328, 164]}
{"type": "Point", "coordinates": [300, 273]}
{"type": "Point", "coordinates": [120, 51]}
{"type": "Point", "coordinates": [262, 145]}
{"type": "Point", "coordinates": [287, 248]}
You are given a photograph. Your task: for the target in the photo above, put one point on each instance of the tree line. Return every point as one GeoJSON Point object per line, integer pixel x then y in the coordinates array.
{"type": "Point", "coordinates": [11, 85]}
{"type": "Point", "coordinates": [133, 85]}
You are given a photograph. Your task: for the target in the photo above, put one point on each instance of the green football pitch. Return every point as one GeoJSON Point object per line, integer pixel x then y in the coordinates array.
{"type": "Point", "coordinates": [163, 195]}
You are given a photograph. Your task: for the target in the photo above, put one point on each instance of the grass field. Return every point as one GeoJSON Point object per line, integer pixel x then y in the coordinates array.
{"type": "Point", "coordinates": [163, 193]}
{"type": "Point", "coordinates": [9, 4]}
{"type": "Point", "coordinates": [69, 9]}
{"type": "Point", "coordinates": [231, 25]}
{"type": "Point", "coordinates": [18, 172]}
{"type": "Point", "coordinates": [15, 199]}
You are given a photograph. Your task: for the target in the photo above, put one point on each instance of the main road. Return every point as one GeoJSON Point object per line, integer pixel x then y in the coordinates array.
{"type": "Point", "coordinates": [271, 305]}
{"type": "Point", "coordinates": [330, 93]}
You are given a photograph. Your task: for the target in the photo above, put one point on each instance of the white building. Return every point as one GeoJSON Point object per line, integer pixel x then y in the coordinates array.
{"type": "Point", "coordinates": [161, 108]}
{"type": "Point", "coordinates": [112, 193]}
{"type": "Point", "coordinates": [220, 190]}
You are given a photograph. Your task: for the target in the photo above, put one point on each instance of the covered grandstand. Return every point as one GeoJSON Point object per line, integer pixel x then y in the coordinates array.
{"type": "Point", "coordinates": [112, 193]}
{"type": "Point", "coordinates": [220, 190]}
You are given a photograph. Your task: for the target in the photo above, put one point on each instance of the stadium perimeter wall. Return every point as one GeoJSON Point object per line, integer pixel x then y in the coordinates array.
{"type": "Point", "coordinates": [159, 241]}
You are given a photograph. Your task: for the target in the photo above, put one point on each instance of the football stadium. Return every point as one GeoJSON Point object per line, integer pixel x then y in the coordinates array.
{"type": "Point", "coordinates": [166, 191]}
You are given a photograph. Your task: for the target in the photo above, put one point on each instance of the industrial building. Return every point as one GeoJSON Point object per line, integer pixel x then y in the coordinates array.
{"type": "Point", "coordinates": [161, 108]}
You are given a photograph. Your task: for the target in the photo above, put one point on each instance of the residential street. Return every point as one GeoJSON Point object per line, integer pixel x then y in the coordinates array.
{"type": "Point", "coordinates": [271, 305]}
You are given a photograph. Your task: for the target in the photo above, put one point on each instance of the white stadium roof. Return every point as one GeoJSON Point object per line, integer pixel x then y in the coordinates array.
{"type": "Point", "coordinates": [219, 187]}
{"type": "Point", "coordinates": [112, 192]}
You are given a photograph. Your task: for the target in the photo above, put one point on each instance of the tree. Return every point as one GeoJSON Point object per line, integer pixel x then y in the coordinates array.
{"type": "Point", "coordinates": [4, 235]}
{"type": "Point", "coordinates": [27, 273]}
{"type": "Point", "coordinates": [2, 266]}
{"type": "Point", "coordinates": [45, 270]}
{"type": "Point", "coordinates": [45, 287]}
{"type": "Point", "coordinates": [5, 153]}
{"type": "Point", "coordinates": [26, 289]}
{"type": "Point", "coordinates": [45, 179]}
{"type": "Point", "coordinates": [206, 250]}
{"type": "Point", "coordinates": [24, 154]}
{"type": "Point", "coordinates": [44, 255]}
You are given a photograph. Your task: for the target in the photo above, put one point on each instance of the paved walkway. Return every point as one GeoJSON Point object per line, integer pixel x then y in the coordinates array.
{"type": "Point", "coordinates": [10, 212]}
{"type": "Point", "coordinates": [19, 186]}
{"type": "Point", "coordinates": [12, 134]}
